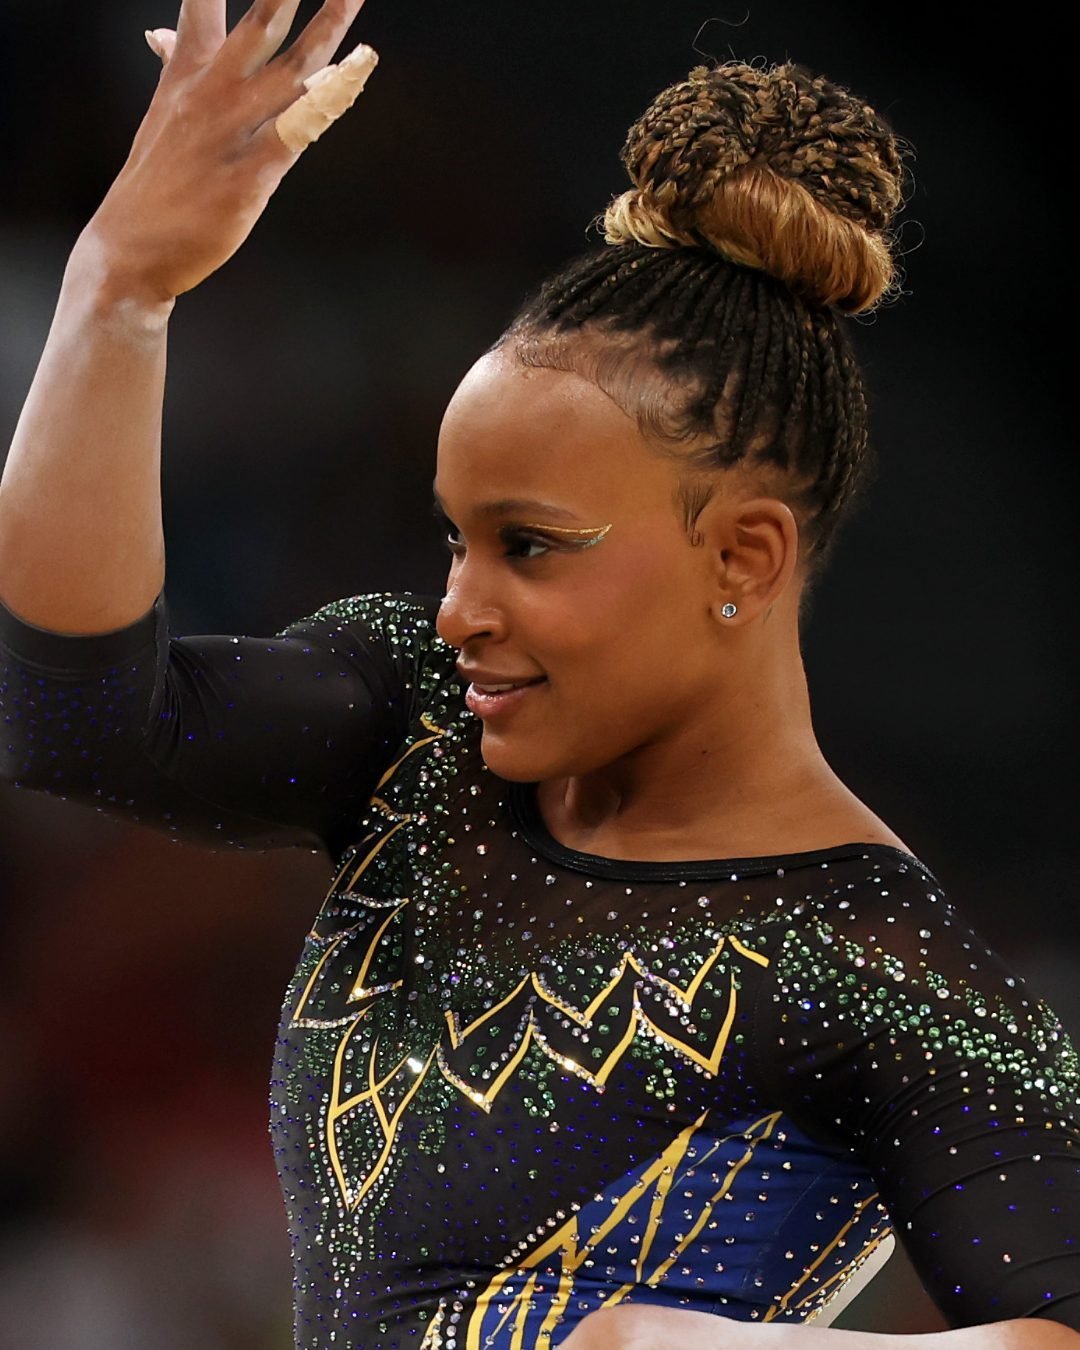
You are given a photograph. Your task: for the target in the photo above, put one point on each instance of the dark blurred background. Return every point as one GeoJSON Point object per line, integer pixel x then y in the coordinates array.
{"type": "Point", "coordinates": [141, 980]}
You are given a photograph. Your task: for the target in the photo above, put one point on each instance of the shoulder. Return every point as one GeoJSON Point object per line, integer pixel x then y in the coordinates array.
{"type": "Point", "coordinates": [880, 903]}
{"type": "Point", "coordinates": [881, 946]}
{"type": "Point", "coordinates": [876, 980]}
{"type": "Point", "coordinates": [389, 637]}
{"type": "Point", "coordinates": [875, 923]}
{"type": "Point", "coordinates": [401, 617]}
{"type": "Point", "coordinates": [399, 624]}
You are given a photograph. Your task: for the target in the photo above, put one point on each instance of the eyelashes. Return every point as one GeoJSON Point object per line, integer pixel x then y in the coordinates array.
{"type": "Point", "coordinates": [528, 542]}
{"type": "Point", "coordinates": [516, 543]}
{"type": "Point", "coordinates": [581, 538]}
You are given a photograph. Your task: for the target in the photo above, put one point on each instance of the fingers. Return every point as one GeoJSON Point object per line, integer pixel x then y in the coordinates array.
{"type": "Point", "coordinates": [331, 91]}
{"type": "Point", "coordinates": [201, 36]}
{"type": "Point", "coordinates": [162, 42]}
{"type": "Point", "coordinates": [259, 34]}
{"type": "Point", "coordinates": [294, 119]}
{"type": "Point", "coordinates": [317, 44]}
{"type": "Point", "coordinates": [202, 33]}
{"type": "Point", "coordinates": [201, 29]}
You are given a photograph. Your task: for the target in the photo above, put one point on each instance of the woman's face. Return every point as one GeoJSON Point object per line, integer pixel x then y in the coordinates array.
{"type": "Point", "coordinates": [572, 576]}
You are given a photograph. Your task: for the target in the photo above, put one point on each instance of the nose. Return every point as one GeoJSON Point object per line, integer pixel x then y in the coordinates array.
{"type": "Point", "coordinates": [469, 609]}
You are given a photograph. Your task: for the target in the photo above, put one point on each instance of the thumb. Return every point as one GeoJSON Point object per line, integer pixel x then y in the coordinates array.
{"type": "Point", "coordinates": [162, 42]}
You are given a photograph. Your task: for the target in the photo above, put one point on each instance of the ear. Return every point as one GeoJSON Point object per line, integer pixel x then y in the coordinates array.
{"type": "Point", "coordinates": [754, 550]}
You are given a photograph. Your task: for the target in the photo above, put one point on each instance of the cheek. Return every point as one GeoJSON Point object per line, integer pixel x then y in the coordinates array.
{"type": "Point", "coordinates": [583, 614]}
{"type": "Point", "coordinates": [626, 616]}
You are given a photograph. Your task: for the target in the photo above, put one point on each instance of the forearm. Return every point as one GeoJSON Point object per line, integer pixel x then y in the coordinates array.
{"type": "Point", "coordinates": [81, 546]}
{"type": "Point", "coordinates": [640, 1327]}
{"type": "Point", "coordinates": [1029, 1334]}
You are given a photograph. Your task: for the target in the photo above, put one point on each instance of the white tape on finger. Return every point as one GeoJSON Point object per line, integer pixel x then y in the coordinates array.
{"type": "Point", "coordinates": [330, 92]}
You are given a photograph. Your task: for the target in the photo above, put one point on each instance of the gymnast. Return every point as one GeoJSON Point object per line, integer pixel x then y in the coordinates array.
{"type": "Point", "coordinates": [624, 1022]}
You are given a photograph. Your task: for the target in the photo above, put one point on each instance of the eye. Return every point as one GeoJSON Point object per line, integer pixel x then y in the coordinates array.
{"type": "Point", "coordinates": [454, 542]}
{"type": "Point", "coordinates": [524, 546]}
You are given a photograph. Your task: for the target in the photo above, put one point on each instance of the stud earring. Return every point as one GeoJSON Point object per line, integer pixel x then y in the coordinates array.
{"type": "Point", "coordinates": [729, 610]}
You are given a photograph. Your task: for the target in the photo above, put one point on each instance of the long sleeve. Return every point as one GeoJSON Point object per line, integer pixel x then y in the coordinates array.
{"type": "Point", "coordinates": [227, 741]}
{"type": "Point", "coordinates": [888, 1026]}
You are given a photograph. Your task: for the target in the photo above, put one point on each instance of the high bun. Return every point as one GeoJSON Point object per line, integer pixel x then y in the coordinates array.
{"type": "Point", "coordinates": [776, 169]}
{"type": "Point", "coordinates": [759, 216]}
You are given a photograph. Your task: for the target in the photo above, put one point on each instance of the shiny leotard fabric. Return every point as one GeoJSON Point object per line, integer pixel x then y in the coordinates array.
{"type": "Point", "coordinates": [514, 1083]}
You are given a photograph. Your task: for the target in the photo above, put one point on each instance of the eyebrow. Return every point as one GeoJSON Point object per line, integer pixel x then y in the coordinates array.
{"type": "Point", "coordinates": [509, 506]}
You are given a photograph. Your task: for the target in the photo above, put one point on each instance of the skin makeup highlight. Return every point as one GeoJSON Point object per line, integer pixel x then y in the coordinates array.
{"type": "Point", "coordinates": [585, 538]}
{"type": "Point", "coordinates": [571, 537]}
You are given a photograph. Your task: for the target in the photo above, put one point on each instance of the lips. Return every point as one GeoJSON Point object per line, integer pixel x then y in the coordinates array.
{"type": "Point", "coordinates": [492, 687]}
{"type": "Point", "coordinates": [490, 694]}
{"type": "Point", "coordinates": [493, 680]}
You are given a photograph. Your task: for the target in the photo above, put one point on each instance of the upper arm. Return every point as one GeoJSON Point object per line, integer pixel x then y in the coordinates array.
{"type": "Point", "coordinates": [254, 742]}
{"type": "Point", "coordinates": [897, 1032]}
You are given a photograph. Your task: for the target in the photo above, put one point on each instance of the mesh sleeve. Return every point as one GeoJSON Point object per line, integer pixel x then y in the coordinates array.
{"type": "Point", "coordinates": [889, 1027]}
{"type": "Point", "coordinates": [227, 741]}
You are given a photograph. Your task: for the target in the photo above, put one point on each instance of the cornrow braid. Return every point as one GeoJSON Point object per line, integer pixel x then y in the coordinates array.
{"type": "Point", "coordinates": [759, 214]}
{"type": "Point", "coordinates": [701, 131]}
{"type": "Point", "coordinates": [746, 371]}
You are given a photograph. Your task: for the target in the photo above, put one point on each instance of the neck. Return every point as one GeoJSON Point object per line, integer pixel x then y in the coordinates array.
{"type": "Point", "coordinates": [743, 774]}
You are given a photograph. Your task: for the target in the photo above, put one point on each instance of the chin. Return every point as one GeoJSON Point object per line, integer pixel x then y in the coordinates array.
{"type": "Point", "coordinates": [516, 764]}
{"type": "Point", "coordinates": [518, 761]}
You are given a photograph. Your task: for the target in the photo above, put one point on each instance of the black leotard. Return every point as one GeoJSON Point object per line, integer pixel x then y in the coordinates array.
{"type": "Point", "coordinates": [514, 1082]}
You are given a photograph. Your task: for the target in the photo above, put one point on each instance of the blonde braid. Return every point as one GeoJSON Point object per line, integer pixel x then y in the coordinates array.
{"type": "Point", "coordinates": [776, 169]}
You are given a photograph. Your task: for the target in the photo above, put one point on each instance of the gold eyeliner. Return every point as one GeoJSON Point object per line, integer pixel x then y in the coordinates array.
{"type": "Point", "coordinates": [586, 538]}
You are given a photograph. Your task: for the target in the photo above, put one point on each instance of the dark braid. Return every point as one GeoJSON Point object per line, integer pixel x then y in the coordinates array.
{"type": "Point", "coordinates": [808, 130]}
{"type": "Point", "coordinates": [759, 213]}
{"type": "Point", "coordinates": [751, 373]}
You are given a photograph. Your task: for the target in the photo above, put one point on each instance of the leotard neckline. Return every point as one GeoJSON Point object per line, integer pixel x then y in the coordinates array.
{"type": "Point", "coordinates": [530, 823]}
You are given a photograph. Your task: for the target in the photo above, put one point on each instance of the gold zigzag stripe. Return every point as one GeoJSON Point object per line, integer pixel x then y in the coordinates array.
{"type": "Point", "coordinates": [433, 1337]}
{"type": "Point", "coordinates": [761, 1129]}
{"type": "Point", "coordinates": [823, 1255]}
{"type": "Point", "coordinates": [400, 819]}
{"type": "Point", "coordinates": [359, 990]}
{"type": "Point", "coordinates": [639, 1020]}
{"type": "Point", "coordinates": [429, 725]}
{"type": "Point", "coordinates": [660, 1174]}
{"type": "Point", "coordinates": [841, 1277]}
{"type": "Point", "coordinates": [381, 805]}
{"type": "Point", "coordinates": [389, 1123]}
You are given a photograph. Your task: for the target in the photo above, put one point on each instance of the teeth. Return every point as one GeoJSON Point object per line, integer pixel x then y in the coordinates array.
{"type": "Point", "coordinates": [494, 688]}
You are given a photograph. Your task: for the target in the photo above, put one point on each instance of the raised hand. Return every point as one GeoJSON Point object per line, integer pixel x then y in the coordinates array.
{"type": "Point", "coordinates": [81, 542]}
{"type": "Point", "coordinates": [209, 153]}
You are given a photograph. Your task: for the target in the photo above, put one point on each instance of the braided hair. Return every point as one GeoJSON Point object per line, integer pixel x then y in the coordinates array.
{"type": "Point", "coordinates": [758, 217]}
